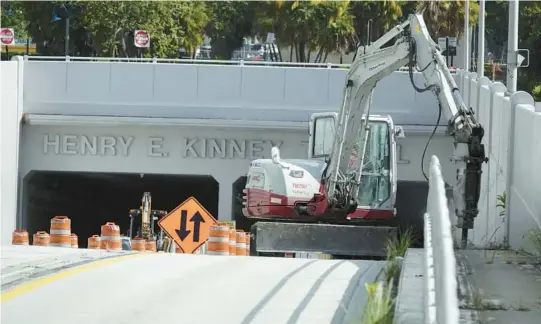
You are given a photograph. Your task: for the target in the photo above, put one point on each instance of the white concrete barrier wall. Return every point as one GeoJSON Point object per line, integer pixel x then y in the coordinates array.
{"type": "Point", "coordinates": [440, 286]}
{"type": "Point", "coordinates": [513, 145]}
{"type": "Point", "coordinates": [10, 117]}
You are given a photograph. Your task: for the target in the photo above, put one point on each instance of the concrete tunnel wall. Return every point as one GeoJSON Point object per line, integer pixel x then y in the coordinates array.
{"type": "Point", "coordinates": [281, 94]}
{"type": "Point", "coordinates": [10, 116]}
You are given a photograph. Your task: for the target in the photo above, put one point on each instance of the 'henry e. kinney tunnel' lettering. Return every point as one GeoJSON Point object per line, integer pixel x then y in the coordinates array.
{"type": "Point", "coordinates": [226, 148]}
{"type": "Point", "coordinates": [81, 144]}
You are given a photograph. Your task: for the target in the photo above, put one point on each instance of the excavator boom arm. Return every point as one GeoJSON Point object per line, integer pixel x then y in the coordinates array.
{"type": "Point", "coordinates": [414, 46]}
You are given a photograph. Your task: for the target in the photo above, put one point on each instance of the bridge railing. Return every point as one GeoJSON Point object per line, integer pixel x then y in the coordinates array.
{"type": "Point", "coordinates": [440, 284]}
{"type": "Point", "coordinates": [195, 61]}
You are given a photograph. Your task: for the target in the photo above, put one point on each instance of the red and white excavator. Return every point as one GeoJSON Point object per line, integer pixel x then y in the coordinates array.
{"type": "Point", "coordinates": [341, 200]}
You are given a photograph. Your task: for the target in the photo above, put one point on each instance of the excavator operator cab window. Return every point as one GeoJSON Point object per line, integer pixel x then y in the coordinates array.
{"type": "Point", "coordinates": [322, 130]}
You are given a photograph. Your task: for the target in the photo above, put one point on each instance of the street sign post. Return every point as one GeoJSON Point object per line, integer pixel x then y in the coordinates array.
{"type": "Point", "coordinates": [188, 225]}
{"type": "Point", "coordinates": [141, 38]}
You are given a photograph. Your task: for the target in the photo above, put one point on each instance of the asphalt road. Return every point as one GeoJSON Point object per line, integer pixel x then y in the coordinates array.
{"type": "Point", "coordinates": [61, 286]}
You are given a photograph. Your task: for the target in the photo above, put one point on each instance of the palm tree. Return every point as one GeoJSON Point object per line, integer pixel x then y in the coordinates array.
{"type": "Point", "coordinates": [446, 18]}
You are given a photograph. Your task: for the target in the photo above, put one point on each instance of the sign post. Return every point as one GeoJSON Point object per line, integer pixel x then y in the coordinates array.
{"type": "Point", "coordinates": [188, 225]}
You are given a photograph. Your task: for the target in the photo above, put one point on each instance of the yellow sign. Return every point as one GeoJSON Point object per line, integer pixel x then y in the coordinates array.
{"type": "Point", "coordinates": [188, 225]}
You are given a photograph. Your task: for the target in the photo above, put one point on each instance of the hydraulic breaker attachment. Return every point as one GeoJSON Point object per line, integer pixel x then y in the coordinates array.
{"type": "Point", "coordinates": [347, 240]}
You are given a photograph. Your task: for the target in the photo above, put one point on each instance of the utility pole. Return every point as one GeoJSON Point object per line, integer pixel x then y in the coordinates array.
{"type": "Point", "coordinates": [368, 32]}
{"type": "Point", "coordinates": [481, 41]}
{"type": "Point", "coordinates": [512, 48]}
{"type": "Point", "coordinates": [67, 37]}
{"type": "Point", "coordinates": [467, 36]}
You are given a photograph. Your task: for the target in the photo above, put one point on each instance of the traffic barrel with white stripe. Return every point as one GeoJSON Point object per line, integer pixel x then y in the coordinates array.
{"type": "Point", "coordinates": [41, 238]}
{"type": "Point", "coordinates": [60, 233]}
{"type": "Point", "coordinates": [19, 237]}
{"type": "Point", "coordinates": [218, 242]}
{"type": "Point", "coordinates": [74, 241]}
{"type": "Point", "coordinates": [248, 235]}
{"type": "Point", "coordinates": [138, 244]}
{"type": "Point", "coordinates": [94, 242]}
{"type": "Point", "coordinates": [150, 245]}
{"type": "Point", "coordinates": [232, 241]}
{"type": "Point", "coordinates": [241, 243]}
{"type": "Point", "coordinates": [110, 237]}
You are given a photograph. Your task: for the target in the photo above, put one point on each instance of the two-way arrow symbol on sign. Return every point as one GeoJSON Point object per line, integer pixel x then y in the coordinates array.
{"type": "Point", "coordinates": [196, 219]}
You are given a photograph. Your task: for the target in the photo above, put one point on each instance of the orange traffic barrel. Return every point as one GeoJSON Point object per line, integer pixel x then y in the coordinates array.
{"type": "Point", "coordinates": [110, 237]}
{"type": "Point", "coordinates": [232, 242]}
{"type": "Point", "coordinates": [138, 244]}
{"type": "Point", "coordinates": [218, 242]}
{"type": "Point", "coordinates": [247, 244]}
{"type": "Point", "coordinates": [74, 241]}
{"type": "Point", "coordinates": [94, 242]}
{"type": "Point", "coordinates": [60, 233]}
{"type": "Point", "coordinates": [19, 237]}
{"type": "Point", "coordinates": [41, 238]}
{"type": "Point", "coordinates": [150, 245]}
{"type": "Point", "coordinates": [241, 243]}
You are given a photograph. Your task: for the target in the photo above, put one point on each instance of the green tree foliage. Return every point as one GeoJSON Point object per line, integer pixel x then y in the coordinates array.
{"type": "Point", "coordinates": [309, 27]}
{"type": "Point", "coordinates": [382, 16]}
{"type": "Point", "coordinates": [231, 22]}
{"type": "Point", "coordinates": [170, 24]}
{"type": "Point", "coordinates": [13, 17]}
{"type": "Point", "coordinates": [446, 18]}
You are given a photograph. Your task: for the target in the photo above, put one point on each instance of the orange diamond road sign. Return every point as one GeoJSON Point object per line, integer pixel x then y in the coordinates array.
{"type": "Point", "coordinates": [188, 225]}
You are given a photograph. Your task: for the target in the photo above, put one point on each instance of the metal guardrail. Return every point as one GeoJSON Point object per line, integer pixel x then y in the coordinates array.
{"type": "Point", "coordinates": [183, 61]}
{"type": "Point", "coordinates": [155, 60]}
{"type": "Point", "coordinates": [440, 284]}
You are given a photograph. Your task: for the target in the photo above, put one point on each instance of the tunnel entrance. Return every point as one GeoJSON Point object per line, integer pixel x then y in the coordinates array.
{"type": "Point", "coordinates": [92, 199]}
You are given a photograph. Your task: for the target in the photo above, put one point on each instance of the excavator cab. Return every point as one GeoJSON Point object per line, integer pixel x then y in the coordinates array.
{"type": "Point", "coordinates": [377, 193]}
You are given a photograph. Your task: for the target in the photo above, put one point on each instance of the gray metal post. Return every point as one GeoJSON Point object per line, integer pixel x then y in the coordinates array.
{"type": "Point", "coordinates": [67, 37]}
{"type": "Point", "coordinates": [481, 41]}
{"type": "Point", "coordinates": [467, 37]}
{"type": "Point", "coordinates": [512, 47]}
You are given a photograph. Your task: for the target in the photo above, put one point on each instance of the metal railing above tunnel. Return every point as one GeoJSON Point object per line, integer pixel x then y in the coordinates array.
{"type": "Point", "coordinates": [440, 281]}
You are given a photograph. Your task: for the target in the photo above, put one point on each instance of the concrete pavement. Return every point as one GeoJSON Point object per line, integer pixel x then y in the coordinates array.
{"type": "Point", "coordinates": [160, 287]}
{"type": "Point", "coordinates": [499, 287]}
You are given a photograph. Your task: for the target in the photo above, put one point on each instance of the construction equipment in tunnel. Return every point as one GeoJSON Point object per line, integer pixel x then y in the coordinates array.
{"type": "Point", "coordinates": [142, 223]}
{"type": "Point", "coordinates": [60, 233]}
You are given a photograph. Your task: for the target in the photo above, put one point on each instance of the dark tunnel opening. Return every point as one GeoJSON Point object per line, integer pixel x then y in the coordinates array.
{"type": "Point", "coordinates": [241, 222]}
{"type": "Point", "coordinates": [92, 199]}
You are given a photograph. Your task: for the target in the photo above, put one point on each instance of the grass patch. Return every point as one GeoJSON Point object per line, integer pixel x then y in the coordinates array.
{"type": "Point", "coordinates": [479, 303]}
{"type": "Point", "coordinates": [380, 305]}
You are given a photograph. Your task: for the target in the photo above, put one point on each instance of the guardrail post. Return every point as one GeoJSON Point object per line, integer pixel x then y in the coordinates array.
{"type": "Point", "coordinates": [429, 297]}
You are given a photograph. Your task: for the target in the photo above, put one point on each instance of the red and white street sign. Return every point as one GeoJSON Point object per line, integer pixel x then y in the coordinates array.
{"type": "Point", "coordinates": [141, 38]}
{"type": "Point", "coordinates": [7, 36]}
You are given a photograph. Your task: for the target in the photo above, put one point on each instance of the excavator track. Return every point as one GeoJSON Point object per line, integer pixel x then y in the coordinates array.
{"type": "Point", "coordinates": [334, 239]}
